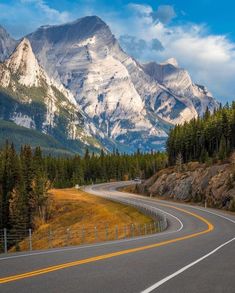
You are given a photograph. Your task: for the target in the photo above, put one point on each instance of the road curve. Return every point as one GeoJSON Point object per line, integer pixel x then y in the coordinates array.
{"type": "Point", "coordinates": [195, 254]}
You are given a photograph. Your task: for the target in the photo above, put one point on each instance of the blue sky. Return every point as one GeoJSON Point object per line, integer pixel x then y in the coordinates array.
{"type": "Point", "coordinates": [199, 34]}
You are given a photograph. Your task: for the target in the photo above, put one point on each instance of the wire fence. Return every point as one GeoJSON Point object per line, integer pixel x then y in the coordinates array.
{"type": "Point", "coordinates": [25, 240]}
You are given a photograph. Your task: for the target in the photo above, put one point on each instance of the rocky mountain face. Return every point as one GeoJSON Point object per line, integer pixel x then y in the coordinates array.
{"type": "Point", "coordinates": [33, 100]}
{"type": "Point", "coordinates": [178, 82]}
{"type": "Point", "coordinates": [123, 103]}
{"type": "Point", "coordinates": [195, 182]}
{"type": "Point", "coordinates": [127, 101]}
{"type": "Point", "coordinates": [7, 44]}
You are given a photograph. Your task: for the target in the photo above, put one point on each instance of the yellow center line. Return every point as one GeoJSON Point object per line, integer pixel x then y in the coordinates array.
{"type": "Point", "coordinates": [209, 228]}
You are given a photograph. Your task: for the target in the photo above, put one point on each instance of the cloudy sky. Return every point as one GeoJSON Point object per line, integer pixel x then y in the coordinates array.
{"type": "Point", "coordinates": [200, 34]}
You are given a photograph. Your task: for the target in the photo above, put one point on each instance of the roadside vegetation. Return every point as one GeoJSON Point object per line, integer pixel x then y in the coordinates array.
{"type": "Point", "coordinates": [77, 217]}
{"type": "Point", "coordinates": [27, 176]}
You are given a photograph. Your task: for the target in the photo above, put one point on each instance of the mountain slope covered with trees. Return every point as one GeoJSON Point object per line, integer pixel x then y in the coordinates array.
{"type": "Point", "coordinates": [211, 137]}
{"type": "Point", "coordinates": [26, 177]}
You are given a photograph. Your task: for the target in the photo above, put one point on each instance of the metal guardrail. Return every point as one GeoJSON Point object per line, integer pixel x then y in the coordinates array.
{"type": "Point", "coordinates": [27, 241]}
{"type": "Point", "coordinates": [145, 209]}
{"type": "Point", "coordinates": [22, 240]}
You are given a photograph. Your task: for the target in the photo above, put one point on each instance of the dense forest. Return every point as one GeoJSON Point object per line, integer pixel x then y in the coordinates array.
{"type": "Point", "coordinates": [26, 177]}
{"type": "Point", "coordinates": [207, 138]}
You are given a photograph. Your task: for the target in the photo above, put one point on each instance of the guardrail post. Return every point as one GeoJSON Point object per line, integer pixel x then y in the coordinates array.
{"type": "Point", "coordinates": [133, 230]}
{"type": "Point", "coordinates": [139, 230]}
{"type": "Point", "coordinates": [30, 240]}
{"type": "Point", "coordinates": [145, 229]}
{"type": "Point", "coordinates": [5, 240]}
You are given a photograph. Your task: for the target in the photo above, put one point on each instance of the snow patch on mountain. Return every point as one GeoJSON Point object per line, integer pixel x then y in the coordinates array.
{"type": "Point", "coordinates": [23, 120]}
{"type": "Point", "coordinates": [57, 111]}
{"type": "Point", "coordinates": [119, 100]}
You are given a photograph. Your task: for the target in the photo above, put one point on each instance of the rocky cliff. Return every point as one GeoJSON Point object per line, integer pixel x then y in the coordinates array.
{"type": "Point", "coordinates": [195, 182]}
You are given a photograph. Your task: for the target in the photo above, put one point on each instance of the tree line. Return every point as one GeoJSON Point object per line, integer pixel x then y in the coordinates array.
{"type": "Point", "coordinates": [27, 176]}
{"type": "Point", "coordinates": [211, 137]}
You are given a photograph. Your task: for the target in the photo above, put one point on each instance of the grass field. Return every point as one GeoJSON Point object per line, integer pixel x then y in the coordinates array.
{"type": "Point", "coordinates": [75, 214]}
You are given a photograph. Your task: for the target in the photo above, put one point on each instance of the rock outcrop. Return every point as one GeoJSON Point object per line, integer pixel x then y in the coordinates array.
{"type": "Point", "coordinates": [195, 182]}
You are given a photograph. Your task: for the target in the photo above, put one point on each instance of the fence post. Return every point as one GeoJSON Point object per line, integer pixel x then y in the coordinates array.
{"type": "Point", "coordinates": [145, 229]}
{"type": "Point", "coordinates": [68, 236]}
{"type": "Point", "coordinates": [83, 235]}
{"type": "Point", "coordinates": [116, 231]}
{"type": "Point", "coordinates": [155, 227]}
{"type": "Point", "coordinates": [133, 230]}
{"type": "Point", "coordinates": [5, 240]}
{"type": "Point", "coordinates": [125, 231]}
{"type": "Point", "coordinates": [139, 230]}
{"type": "Point", "coordinates": [96, 236]}
{"type": "Point", "coordinates": [165, 222]}
{"type": "Point", "coordinates": [158, 226]}
{"type": "Point", "coordinates": [49, 238]}
{"type": "Point", "coordinates": [106, 232]}
{"type": "Point", "coordinates": [30, 240]}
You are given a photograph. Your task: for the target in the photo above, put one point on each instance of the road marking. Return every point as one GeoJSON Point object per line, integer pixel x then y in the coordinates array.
{"type": "Point", "coordinates": [166, 279]}
{"type": "Point", "coordinates": [209, 228]}
{"type": "Point", "coordinates": [101, 244]}
{"type": "Point", "coordinates": [159, 283]}
{"type": "Point", "coordinates": [213, 213]}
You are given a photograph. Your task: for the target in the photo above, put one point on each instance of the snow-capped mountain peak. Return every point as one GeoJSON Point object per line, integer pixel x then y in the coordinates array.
{"type": "Point", "coordinates": [23, 62]}
{"type": "Point", "coordinates": [38, 101]}
{"type": "Point", "coordinates": [123, 102]}
{"type": "Point", "coordinates": [171, 61]}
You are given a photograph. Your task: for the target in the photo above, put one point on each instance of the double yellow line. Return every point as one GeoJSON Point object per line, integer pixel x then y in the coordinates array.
{"type": "Point", "coordinates": [54, 268]}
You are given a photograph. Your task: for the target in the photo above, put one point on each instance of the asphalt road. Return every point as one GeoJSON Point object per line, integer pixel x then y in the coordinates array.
{"type": "Point", "coordinates": [195, 254]}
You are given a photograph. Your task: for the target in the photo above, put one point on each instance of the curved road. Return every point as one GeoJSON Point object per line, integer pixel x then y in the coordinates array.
{"type": "Point", "coordinates": [195, 254]}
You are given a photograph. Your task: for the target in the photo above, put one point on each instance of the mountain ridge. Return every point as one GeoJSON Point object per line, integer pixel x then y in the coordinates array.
{"type": "Point", "coordinates": [33, 100]}
{"type": "Point", "coordinates": [125, 103]}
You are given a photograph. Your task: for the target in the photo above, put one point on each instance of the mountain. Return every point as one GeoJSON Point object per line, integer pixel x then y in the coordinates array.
{"type": "Point", "coordinates": [133, 104]}
{"type": "Point", "coordinates": [77, 85]}
{"type": "Point", "coordinates": [31, 99]}
{"type": "Point", "coordinates": [21, 135]}
{"type": "Point", "coordinates": [179, 82]}
{"type": "Point", "coordinates": [7, 44]}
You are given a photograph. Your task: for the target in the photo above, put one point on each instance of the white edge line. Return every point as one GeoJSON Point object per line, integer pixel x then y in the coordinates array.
{"type": "Point", "coordinates": [101, 244]}
{"type": "Point", "coordinates": [161, 282]}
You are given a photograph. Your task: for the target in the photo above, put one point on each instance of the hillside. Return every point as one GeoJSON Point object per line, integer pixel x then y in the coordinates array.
{"type": "Point", "coordinates": [195, 182]}
{"type": "Point", "coordinates": [20, 135]}
{"type": "Point", "coordinates": [29, 98]}
{"type": "Point", "coordinates": [76, 210]}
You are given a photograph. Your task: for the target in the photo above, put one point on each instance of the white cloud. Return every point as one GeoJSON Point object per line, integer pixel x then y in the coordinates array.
{"type": "Point", "coordinates": [50, 14]}
{"type": "Point", "coordinates": [33, 13]}
{"type": "Point", "coordinates": [140, 8]}
{"type": "Point", "coordinates": [209, 58]}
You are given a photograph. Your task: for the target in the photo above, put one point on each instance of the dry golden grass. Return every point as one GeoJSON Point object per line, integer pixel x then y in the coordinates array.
{"type": "Point", "coordinates": [75, 214]}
